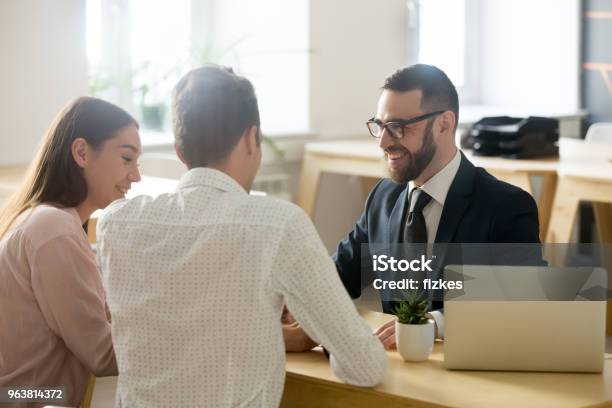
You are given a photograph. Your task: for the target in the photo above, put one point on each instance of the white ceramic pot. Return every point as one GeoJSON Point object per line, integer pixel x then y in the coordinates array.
{"type": "Point", "coordinates": [414, 341]}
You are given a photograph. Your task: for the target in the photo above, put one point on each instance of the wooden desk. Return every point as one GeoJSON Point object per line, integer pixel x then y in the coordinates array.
{"type": "Point", "coordinates": [584, 182]}
{"type": "Point", "coordinates": [354, 158]}
{"type": "Point", "coordinates": [364, 159]}
{"type": "Point", "coordinates": [310, 383]}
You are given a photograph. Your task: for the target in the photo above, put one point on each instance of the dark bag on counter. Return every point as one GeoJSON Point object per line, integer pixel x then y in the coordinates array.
{"type": "Point", "coordinates": [516, 138]}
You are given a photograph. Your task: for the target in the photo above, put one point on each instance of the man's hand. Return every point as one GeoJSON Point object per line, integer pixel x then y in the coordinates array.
{"type": "Point", "coordinates": [430, 317]}
{"type": "Point", "coordinates": [386, 333]}
{"type": "Point", "coordinates": [286, 316]}
{"type": "Point", "coordinates": [296, 338]}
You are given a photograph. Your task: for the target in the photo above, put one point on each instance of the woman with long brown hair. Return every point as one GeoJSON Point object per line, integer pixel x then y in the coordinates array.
{"type": "Point", "coordinates": [54, 322]}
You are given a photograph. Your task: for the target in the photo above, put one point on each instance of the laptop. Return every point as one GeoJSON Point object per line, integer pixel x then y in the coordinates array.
{"type": "Point", "coordinates": [522, 318]}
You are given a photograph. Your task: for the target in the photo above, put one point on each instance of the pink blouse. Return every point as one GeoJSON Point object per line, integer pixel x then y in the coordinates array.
{"type": "Point", "coordinates": [54, 323]}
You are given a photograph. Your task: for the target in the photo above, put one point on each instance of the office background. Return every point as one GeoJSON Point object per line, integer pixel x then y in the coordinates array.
{"type": "Point", "coordinates": [317, 67]}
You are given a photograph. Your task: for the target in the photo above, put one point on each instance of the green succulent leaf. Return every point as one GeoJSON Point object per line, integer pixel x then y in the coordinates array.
{"type": "Point", "coordinates": [412, 310]}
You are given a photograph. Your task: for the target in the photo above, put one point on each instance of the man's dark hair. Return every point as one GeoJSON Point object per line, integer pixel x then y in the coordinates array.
{"type": "Point", "coordinates": [211, 109]}
{"type": "Point", "coordinates": [439, 93]}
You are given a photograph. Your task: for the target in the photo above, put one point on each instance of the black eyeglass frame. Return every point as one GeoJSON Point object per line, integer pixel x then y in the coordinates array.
{"type": "Point", "coordinates": [403, 123]}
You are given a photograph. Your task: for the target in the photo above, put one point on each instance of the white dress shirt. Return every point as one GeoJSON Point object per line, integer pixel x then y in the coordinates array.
{"type": "Point", "coordinates": [196, 284]}
{"type": "Point", "coordinates": [437, 187]}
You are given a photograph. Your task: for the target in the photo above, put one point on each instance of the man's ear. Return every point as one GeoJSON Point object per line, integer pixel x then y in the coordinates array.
{"type": "Point", "coordinates": [80, 151]}
{"type": "Point", "coordinates": [447, 122]}
{"type": "Point", "coordinates": [250, 139]}
{"type": "Point", "coordinates": [179, 154]}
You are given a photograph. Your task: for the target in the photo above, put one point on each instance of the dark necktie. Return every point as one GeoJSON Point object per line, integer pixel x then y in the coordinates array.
{"type": "Point", "coordinates": [415, 230]}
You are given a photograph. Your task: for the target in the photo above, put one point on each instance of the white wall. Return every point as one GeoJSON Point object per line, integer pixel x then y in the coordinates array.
{"type": "Point", "coordinates": [270, 39]}
{"type": "Point", "coordinates": [530, 54]}
{"type": "Point", "coordinates": [355, 45]}
{"type": "Point", "coordinates": [42, 49]}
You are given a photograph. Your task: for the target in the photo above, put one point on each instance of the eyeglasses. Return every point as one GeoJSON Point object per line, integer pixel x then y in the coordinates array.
{"type": "Point", "coordinates": [396, 127]}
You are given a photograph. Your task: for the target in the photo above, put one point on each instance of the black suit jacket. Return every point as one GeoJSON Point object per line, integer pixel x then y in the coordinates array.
{"type": "Point", "coordinates": [478, 209]}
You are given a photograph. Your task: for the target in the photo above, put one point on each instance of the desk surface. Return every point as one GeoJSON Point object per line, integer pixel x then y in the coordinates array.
{"type": "Point", "coordinates": [574, 151]}
{"type": "Point", "coordinates": [430, 384]}
{"type": "Point", "coordinates": [369, 150]}
{"type": "Point", "coordinates": [599, 172]}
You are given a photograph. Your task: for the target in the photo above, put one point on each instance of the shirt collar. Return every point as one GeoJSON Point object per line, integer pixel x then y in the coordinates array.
{"type": "Point", "coordinates": [205, 176]}
{"type": "Point", "coordinates": [437, 186]}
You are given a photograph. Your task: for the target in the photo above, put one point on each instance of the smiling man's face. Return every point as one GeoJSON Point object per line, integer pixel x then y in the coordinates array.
{"type": "Point", "coordinates": [408, 157]}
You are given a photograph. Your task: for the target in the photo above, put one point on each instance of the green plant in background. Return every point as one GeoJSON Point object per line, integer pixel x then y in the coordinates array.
{"type": "Point", "coordinates": [207, 53]}
{"type": "Point", "coordinates": [100, 82]}
{"type": "Point", "coordinates": [152, 114]}
{"type": "Point", "coordinates": [151, 85]}
{"type": "Point", "coordinates": [278, 152]}
{"type": "Point", "coordinates": [413, 310]}
{"type": "Point", "coordinates": [145, 84]}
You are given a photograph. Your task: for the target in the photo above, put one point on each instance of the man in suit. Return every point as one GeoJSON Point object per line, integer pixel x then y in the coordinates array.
{"type": "Point", "coordinates": [434, 194]}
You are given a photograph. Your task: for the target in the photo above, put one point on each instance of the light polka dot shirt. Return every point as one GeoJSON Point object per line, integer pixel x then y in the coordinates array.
{"type": "Point", "coordinates": [196, 284]}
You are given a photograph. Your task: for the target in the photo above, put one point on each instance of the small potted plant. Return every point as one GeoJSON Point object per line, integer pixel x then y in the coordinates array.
{"type": "Point", "coordinates": [414, 332]}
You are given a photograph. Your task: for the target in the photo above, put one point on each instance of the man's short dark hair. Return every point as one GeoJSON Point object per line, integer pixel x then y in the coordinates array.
{"type": "Point", "coordinates": [211, 109]}
{"type": "Point", "coordinates": [439, 93]}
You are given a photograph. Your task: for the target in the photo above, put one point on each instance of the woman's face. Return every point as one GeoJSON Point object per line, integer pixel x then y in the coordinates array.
{"type": "Point", "coordinates": [113, 167]}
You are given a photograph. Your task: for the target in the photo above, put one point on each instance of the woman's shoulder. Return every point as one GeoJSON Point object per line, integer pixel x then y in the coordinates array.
{"type": "Point", "coordinates": [45, 222]}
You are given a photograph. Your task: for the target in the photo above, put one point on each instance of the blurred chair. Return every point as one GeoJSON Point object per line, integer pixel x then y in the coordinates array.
{"type": "Point", "coordinates": [600, 132]}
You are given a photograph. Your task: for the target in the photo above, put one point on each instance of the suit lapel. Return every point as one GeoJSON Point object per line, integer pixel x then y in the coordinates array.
{"type": "Point", "coordinates": [397, 214]}
{"type": "Point", "coordinates": [457, 201]}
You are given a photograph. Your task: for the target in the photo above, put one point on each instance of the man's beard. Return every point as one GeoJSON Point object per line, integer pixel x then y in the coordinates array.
{"type": "Point", "coordinates": [418, 161]}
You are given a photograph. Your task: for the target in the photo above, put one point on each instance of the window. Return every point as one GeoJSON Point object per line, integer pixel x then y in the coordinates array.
{"type": "Point", "coordinates": [521, 56]}
{"type": "Point", "coordinates": [269, 44]}
{"type": "Point", "coordinates": [137, 50]}
{"type": "Point", "coordinates": [439, 34]}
